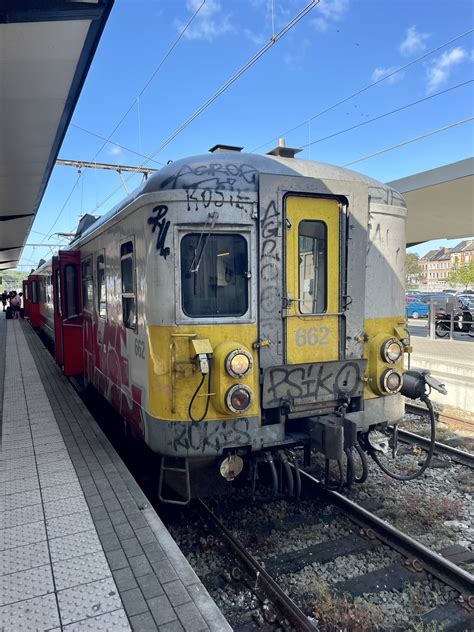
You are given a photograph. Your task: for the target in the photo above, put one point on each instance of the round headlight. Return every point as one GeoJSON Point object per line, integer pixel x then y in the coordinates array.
{"type": "Point", "coordinates": [238, 363]}
{"type": "Point", "coordinates": [239, 398]}
{"type": "Point", "coordinates": [392, 350]}
{"type": "Point", "coordinates": [392, 381]}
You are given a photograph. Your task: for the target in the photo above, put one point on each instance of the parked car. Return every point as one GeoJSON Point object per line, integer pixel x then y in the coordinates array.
{"type": "Point", "coordinates": [426, 297]}
{"type": "Point", "coordinates": [466, 301]}
{"type": "Point", "coordinates": [416, 308]}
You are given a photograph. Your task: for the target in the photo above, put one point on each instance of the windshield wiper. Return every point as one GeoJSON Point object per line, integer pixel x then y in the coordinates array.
{"type": "Point", "coordinates": [211, 221]}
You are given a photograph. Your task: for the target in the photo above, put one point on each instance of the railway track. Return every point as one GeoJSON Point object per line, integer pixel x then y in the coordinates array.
{"type": "Point", "coordinates": [450, 420]}
{"type": "Point", "coordinates": [418, 563]}
{"type": "Point", "coordinates": [459, 456]}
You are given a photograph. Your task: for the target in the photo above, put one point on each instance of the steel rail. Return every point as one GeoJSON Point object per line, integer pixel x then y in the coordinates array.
{"type": "Point", "coordinates": [288, 605]}
{"type": "Point", "coordinates": [443, 417]}
{"type": "Point", "coordinates": [465, 458]}
{"type": "Point", "coordinates": [420, 557]}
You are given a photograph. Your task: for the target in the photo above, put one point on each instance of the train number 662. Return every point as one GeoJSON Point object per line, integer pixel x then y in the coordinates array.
{"type": "Point", "coordinates": [311, 336]}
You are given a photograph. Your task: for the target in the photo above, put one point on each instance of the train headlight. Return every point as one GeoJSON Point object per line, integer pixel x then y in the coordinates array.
{"type": "Point", "coordinates": [239, 398]}
{"type": "Point", "coordinates": [392, 381]}
{"type": "Point", "coordinates": [238, 363]}
{"type": "Point", "coordinates": [392, 350]}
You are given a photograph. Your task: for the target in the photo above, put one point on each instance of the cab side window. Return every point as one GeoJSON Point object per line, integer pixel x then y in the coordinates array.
{"type": "Point", "coordinates": [127, 266]}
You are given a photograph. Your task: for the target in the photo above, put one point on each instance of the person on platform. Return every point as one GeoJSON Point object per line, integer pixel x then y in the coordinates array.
{"type": "Point", "coordinates": [3, 298]}
{"type": "Point", "coordinates": [15, 303]}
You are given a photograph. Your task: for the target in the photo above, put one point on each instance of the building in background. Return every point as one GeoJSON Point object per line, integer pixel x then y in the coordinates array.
{"type": "Point", "coordinates": [436, 265]}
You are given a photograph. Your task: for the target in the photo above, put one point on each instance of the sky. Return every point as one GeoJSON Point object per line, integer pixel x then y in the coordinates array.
{"type": "Point", "coordinates": [337, 49]}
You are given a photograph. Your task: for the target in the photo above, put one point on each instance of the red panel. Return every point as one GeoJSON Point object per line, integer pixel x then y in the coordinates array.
{"type": "Point", "coordinates": [71, 313]}
{"type": "Point", "coordinates": [58, 311]}
{"type": "Point", "coordinates": [26, 299]}
{"type": "Point", "coordinates": [35, 316]}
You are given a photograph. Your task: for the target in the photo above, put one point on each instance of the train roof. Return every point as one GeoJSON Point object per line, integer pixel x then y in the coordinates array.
{"type": "Point", "coordinates": [232, 170]}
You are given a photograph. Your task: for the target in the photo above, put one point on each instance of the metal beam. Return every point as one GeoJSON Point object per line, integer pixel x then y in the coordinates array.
{"type": "Point", "coordinates": [82, 164]}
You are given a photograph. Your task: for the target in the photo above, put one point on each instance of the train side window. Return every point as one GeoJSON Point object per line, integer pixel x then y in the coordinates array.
{"type": "Point", "coordinates": [43, 290]}
{"type": "Point", "coordinates": [26, 294]}
{"type": "Point", "coordinates": [58, 292]}
{"type": "Point", "coordinates": [127, 265]}
{"type": "Point", "coordinates": [312, 257]}
{"type": "Point", "coordinates": [101, 289]}
{"type": "Point", "coordinates": [87, 285]}
{"type": "Point", "coordinates": [70, 290]}
{"type": "Point", "coordinates": [214, 275]}
{"type": "Point", "coordinates": [34, 292]}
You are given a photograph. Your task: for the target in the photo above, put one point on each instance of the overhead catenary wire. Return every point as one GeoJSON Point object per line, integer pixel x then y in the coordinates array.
{"type": "Point", "coordinates": [153, 75]}
{"type": "Point", "coordinates": [381, 116]}
{"type": "Point", "coordinates": [107, 140]}
{"type": "Point", "coordinates": [411, 140]}
{"type": "Point", "coordinates": [273, 40]}
{"type": "Point", "coordinates": [365, 88]}
{"type": "Point", "coordinates": [65, 204]}
{"type": "Point", "coordinates": [112, 142]}
{"type": "Point", "coordinates": [226, 85]}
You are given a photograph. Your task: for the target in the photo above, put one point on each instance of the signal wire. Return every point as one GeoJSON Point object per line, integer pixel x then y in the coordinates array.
{"type": "Point", "coordinates": [228, 83]}
{"type": "Point", "coordinates": [381, 116]}
{"type": "Point", "coordinates": [411, 140]}
{"type": "Point", "coordinates": [365, 88]}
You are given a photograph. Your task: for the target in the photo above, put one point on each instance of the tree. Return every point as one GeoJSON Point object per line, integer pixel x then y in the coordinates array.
{"type": "Point", "coordinates": [412, 270]}
{"type": "Point", "coordinates": [12, 279]}
{"type": "Point", "coordinates": [462, 275]}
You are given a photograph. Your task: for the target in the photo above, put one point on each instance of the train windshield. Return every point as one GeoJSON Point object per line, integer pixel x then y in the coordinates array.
{"type": "Point", "coordinates": [218, 284]}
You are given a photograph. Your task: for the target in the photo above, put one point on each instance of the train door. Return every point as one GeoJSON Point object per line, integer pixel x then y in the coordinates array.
{"type": "Point", "coordinates": [68, 312]}
{"type": "Point", "coordinates": [57, 311]}
{"type": "Point", "coordinates": [312, 284]}
{"type": "Point", "coordinates": [33, 300]}
{"type": "Point", "coordinates": [26, 299]}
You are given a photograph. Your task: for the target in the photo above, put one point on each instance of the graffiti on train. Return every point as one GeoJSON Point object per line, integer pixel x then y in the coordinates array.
{"type": "Point", "coordinates": [316, 382]}
{"type": "Point", "coordinates": [204, 198]}
{"type": "Point", "coordinates": [224, 176]}
{"type": "Point", "coordinates": [210, 436]}
{"type": "Point", "coordinates": [160, 222]}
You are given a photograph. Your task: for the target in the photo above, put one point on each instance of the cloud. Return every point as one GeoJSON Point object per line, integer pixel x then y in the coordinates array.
{"type": "Point", "coordinates": [255, 38]}
{"type": "Point", "coordinates": [113, 150]}
{"type": "Point", "coordinates": [440, 69]}
{"type": "Point", "coordinates": [379, 73]}
{"type": "Point", "coordinates": [414, 42]}
{"type": "Point", "coordinates": [329, 11]}
{"type": "Point", "coordinates": [209, 23]}
{"type": "Point", "coordinates": [294, 59]}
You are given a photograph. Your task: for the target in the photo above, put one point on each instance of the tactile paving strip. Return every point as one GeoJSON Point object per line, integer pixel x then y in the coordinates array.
{"type": "Point", "coordinates": [40, 613]}
{"type": "Point", "coordinates": [30, 583]}
{"type": "Point", "coordinates": [23, 557]}
{"type": "Point", "coordinates": [88, 600]}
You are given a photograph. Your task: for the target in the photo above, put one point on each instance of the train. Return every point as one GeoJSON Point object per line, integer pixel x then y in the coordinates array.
{"type": "Point", "coordinates": [237, 309]}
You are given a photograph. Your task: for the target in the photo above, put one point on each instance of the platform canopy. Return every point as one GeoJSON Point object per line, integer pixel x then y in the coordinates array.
{"type": "Point", "coordinates": [440, 202]}
{"type": "Point", "coordinates": [46, 48]}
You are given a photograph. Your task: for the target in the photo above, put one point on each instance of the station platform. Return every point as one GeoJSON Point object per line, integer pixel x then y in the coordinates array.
{"type": "Point", "coordinates": [80, 546]}
{"type": "Point", "coordinates": [452, 362]}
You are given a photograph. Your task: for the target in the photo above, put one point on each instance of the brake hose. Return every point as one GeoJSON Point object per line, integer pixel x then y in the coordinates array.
{"type": "Point", "coordinates": [190, 413]}
{"type": "Point", "coordinates": [426, 464]}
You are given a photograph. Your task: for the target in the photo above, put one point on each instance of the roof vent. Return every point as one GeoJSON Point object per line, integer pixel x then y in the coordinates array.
{"type": "Point", "coordinates": [84, 223]}
{"type": "Point", "coordinates": [283, 151]}
{"type": "Point", "coordinates": [218, 148]}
